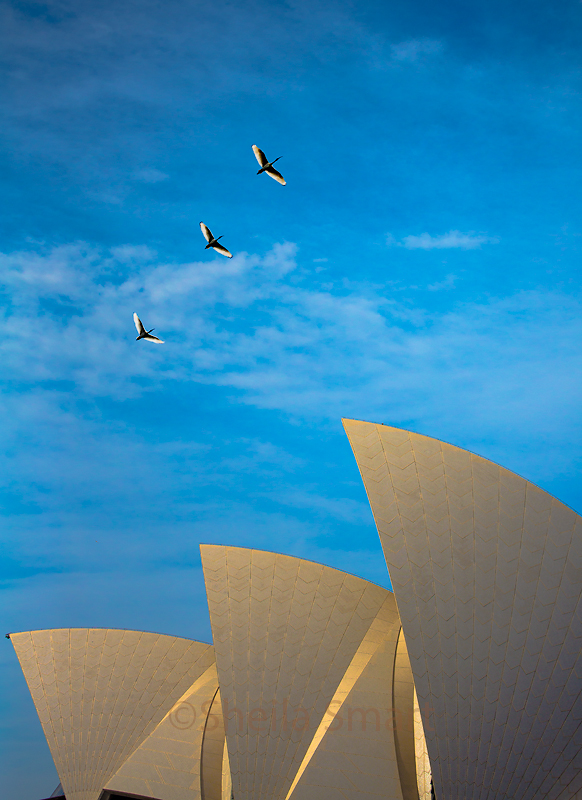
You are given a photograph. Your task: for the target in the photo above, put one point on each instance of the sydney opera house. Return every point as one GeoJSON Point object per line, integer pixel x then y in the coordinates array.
{"type": "Point", "coordinates": [464, 683]}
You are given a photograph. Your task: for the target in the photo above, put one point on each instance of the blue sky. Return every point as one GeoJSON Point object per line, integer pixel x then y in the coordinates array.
{"type": "Point", "coordinates": [421, 268]}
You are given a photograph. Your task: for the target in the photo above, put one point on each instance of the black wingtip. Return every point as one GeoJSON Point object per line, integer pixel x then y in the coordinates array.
{"type": "Point", "coordinates": [7, 636]}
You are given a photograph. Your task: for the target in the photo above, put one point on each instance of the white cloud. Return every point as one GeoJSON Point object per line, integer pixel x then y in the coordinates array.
{"type": "Point", "coordinates": [447, 283]}
{"type": "Point", "coordinates": [413, 49]}
{"type": "Point", "coordinates": [465, 241]}
{"type": "Point", "coordinates": [150, 175]}
{"type": "Point", "coordinates": [338, 508]}
{"type": "Point", "coordinates": [311, 350]}
{"type": "Point", "coordinates": [128, 253]}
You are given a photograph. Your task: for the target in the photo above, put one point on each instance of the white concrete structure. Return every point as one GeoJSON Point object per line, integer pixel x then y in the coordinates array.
{"type": "Point", "coordinates": [466, 683]}
{"type": "Point", "coordinates": [487, 573]}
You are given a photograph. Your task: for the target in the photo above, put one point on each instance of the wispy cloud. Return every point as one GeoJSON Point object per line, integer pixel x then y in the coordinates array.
{"type": "Point", "coordinates": [413, 49]}
{"type": "Point", "coordinates": [452, 239]}
{"type": "Point", "coordinates": [338, 508]}
{"type": "Point", "coordinates": [267, 335]}
{"type": "Point", "coordinates": [150, 175]}
{"type": "Point", "coordinates": [447, 283]}
{"type": "Point", "coordinates": [256, 325]}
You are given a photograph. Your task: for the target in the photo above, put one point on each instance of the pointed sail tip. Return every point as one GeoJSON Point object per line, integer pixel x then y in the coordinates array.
{"type": "Point", "coordinates": [347, 423]}
{"type": "Point", "coordinates": [353, 425]}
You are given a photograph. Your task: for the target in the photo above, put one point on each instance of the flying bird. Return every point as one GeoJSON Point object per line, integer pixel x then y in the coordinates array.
{"type": "Point", "coordinates": [212, 242]}
{"type": "Point", "coordinates": [143, 334]}
{"type": "Point", "coordinates": [267, 166]}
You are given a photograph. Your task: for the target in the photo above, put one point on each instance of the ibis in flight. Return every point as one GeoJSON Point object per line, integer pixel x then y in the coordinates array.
{"type": "Point", "coordinates": [212, 242]}
{"type": "Point", "coordinates": [143, 334]}
{"type": "Point", "coordinates": [267, 166]}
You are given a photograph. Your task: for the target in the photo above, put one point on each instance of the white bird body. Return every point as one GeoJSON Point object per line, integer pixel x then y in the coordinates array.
{"type": "Point", "coordinates": [212, 242]}
{"type": "Point", "coordinates": [267, 166]}
{"type": "Point", "coordinates": [143, 334]}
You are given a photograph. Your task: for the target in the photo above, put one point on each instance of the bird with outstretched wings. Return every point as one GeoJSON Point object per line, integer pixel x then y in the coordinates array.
{"type": "Point", "coordinates": [142, 333]}
{"type": "Point", "coordinates": [267, 166]}
{"type": "Point", "coordinates": [213, 242]}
